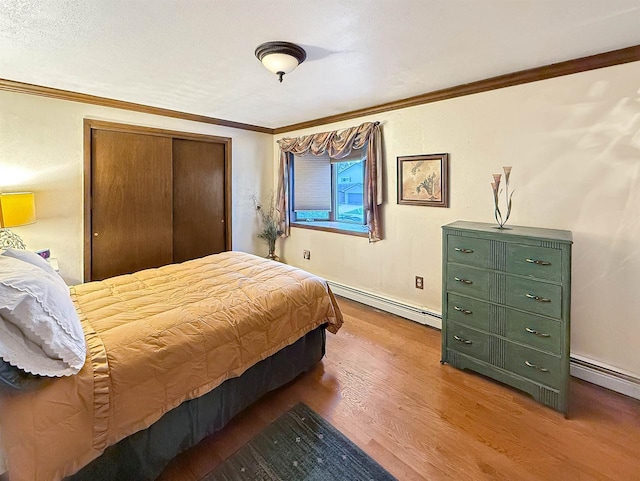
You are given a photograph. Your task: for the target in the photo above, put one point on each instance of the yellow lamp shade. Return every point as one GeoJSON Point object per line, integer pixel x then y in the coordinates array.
{"type": "Point", "coordinates": [17, 209]}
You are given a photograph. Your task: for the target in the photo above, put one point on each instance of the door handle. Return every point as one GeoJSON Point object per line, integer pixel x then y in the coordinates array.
{"type": "Point", "coordinates": [538, 298]}
{"type": "Point", "coordinates": [535, 366]}
{"type": "Point", "coordinates": [538, 262]}
{"type": "Point", "coordinates": [464, 311]}
{"type": "Point", "coordinates": [537, 333]}
{"type": "Point", "coordinates": [464, 281]}
{"type": "Point", "coordinates": [463, 340]}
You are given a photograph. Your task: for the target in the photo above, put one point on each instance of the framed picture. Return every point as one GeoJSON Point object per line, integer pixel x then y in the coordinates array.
{"type": "Point", "coordinates": [423, 180]}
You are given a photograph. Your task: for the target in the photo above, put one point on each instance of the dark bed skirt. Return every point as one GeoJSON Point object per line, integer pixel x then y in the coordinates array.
{"type": "Point", "coordinates": [143, 455]}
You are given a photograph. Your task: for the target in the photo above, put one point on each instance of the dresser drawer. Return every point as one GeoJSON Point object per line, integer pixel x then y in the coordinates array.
{"type": "Point", "coordinates": [535, 365]}
{"type": "Point", "coordinates": [468, 311]}
{"type": "Point", "coordinates": [532, 296]}
{"type": "Point", "coordinates": [467, 280]}
{"type": "Point", "coordinates": [468, 341]}
{"type": "Point", "coordinates": [535, 331]}
{"type": "Point", "coordinates": [469, 251]}
{"type": "Point", "coordinates": [532, 261]}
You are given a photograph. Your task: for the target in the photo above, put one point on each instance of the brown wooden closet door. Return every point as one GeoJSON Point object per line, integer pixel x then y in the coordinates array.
{"type": "Point", "coordinates": [131, 216]}
{"type": "Point", "coordinates": [198, 199]}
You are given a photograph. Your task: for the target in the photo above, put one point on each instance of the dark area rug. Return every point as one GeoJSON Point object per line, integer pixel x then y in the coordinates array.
{"type": "Point", "coordinates": [300, 446]}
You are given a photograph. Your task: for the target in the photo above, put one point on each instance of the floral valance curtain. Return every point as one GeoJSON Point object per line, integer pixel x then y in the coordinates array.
{"type": "Point", "coordinates": [337, 144]}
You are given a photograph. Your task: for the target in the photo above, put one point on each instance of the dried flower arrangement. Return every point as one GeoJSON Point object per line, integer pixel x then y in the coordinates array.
{"type": "Point", "coordinates": [270, 219]}
{"type": "Point", "coordinates": [495, 185]}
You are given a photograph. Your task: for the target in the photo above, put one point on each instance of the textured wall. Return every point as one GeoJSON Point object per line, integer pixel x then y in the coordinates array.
{"type": "Point", "coordinates": [574, 144]}
{"type": "Point", "coordinates": [41, 150]}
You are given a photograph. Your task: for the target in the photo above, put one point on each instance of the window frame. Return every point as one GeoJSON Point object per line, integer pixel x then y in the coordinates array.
{"type": "Point", "coordinates": [330, 225]}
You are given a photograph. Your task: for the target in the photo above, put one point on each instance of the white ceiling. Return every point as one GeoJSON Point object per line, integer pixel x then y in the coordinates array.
{"type": "Point", "coordinates": [197, 56]}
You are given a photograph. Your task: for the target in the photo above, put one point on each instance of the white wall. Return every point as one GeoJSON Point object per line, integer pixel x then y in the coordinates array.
{"type": "Point", "coordinates": [41, 150]}
{"type": "Point", "coordinates": [574, 144]}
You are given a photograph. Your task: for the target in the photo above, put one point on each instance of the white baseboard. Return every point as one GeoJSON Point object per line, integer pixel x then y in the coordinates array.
{"type": "Point", "coordinates": [606, 376]}
{"type": "Point", "coordinates": [417, 314]}
{"type": "Point", "coordinates": [581, 367]}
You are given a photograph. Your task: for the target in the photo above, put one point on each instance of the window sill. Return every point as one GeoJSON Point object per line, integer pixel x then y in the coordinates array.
{"type": "Point", "coordinates": [337, 227]}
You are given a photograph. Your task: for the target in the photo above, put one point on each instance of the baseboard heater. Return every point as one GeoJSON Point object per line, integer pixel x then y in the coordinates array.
{"type": "Point", "coordinates": [605, 376]}
{"type": "Point", "coordinates": [581, 367]}
{"type": "Point", "coordinates": [414, 313]}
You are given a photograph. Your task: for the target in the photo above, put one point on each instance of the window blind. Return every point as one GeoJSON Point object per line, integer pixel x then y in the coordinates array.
{"type": "Point", "coordinates": [311, 182]}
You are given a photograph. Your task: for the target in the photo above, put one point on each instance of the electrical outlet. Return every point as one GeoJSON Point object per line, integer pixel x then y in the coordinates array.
{"type": "Point", "coordinates": [419, 282]}
{"type": "Point", "coordinates": [306, 255]}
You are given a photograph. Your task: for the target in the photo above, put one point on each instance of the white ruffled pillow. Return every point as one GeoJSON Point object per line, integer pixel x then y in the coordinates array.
{"type": "Point", "coordinates": [40, 331]}
{"type": "Point", "coordinates": [31, 258]}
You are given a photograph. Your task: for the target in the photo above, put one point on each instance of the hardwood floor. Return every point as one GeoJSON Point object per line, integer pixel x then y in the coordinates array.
{"type": "Point", "coordinates": [382, 385]}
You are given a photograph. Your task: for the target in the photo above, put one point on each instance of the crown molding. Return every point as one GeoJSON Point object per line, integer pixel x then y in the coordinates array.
{"type": "Point", "coordinates": [25, 88]}
{"type": "Point", "coordinates": [583, 64]}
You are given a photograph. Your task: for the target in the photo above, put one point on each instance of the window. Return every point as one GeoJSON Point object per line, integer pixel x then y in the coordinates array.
{"type": "Point", "coordinates": [329, 193]}
{"type": "Point", "coordinates": [349, 192]}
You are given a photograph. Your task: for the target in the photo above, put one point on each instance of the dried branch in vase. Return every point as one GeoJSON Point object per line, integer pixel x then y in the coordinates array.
{"type": "Point", "coordinates": [270, 220]}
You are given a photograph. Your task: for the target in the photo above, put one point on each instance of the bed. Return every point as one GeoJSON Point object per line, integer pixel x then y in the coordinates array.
{"type": "Point", "coordinates": [171, 355]}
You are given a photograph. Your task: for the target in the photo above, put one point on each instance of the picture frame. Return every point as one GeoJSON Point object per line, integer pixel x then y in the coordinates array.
{"type": "Point", "coordinates": [424, 180]}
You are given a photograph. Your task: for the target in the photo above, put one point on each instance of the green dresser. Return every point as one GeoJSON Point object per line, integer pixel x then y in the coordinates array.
{"type": "Point", "coordinates": [506, 302]}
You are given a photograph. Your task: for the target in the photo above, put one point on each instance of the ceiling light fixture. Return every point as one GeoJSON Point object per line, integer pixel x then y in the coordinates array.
{"type": "Point", "coordinates": [280, 57]}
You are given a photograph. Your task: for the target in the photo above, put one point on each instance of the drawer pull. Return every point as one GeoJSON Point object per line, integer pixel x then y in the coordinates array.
{"type": "Point", "coordinates": [538, 298]}
{"type": "Point", "coordinates": [464, 311]}
{"type": "Point", "coordinates": [464, 281]}
{"type": "Point", "coordinates": [535, 366]}
{"type": "Point", "coordinates": [464, 251]}
{"type": "Point", "coordinates": [538, 262]}
{"type": "Point", "coordinates": [537, 333]}
{"type": "Point", "coordinates": [463, 340]}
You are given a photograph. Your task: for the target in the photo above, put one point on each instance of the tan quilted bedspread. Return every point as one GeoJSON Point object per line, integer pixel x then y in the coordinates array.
{"type": "Point", "coordinates": [155, 339]}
